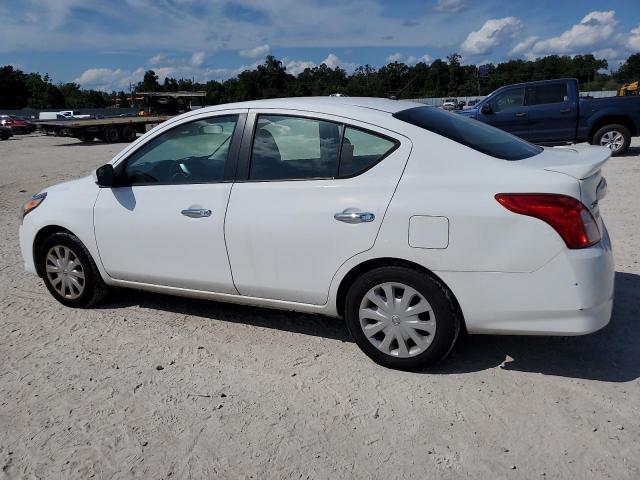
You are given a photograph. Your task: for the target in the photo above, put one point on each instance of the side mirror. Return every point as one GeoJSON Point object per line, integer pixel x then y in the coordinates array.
{"type": "Point", "coordinates": [486, 109]}
{"type": "Point", "coordinates": [105, 176]}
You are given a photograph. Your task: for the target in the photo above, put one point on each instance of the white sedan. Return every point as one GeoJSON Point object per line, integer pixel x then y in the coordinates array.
{"type": "Point", "coordinates": [410, 222]}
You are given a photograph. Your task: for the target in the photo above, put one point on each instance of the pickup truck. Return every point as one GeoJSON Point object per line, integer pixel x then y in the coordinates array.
{"type": "Point", "coordinates": [551, 112]}
{"type": "Point", "coordinates": [61, 115]}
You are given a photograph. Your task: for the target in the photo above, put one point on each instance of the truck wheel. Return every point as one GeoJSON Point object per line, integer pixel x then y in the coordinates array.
{"type": "Point", "coordinates": [111, 135]}
{"type": "Point", "coordinates": [87, 137]}
{"type": "Point", "coordinates": [128, 134]}
{"type": "Point", "coordinates": [615, 137]}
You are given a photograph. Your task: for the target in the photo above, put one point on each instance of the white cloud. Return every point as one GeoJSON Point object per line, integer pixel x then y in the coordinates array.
{"type": "Point", "coordinates": [593, 32]}
{"type": "Point", "coordinates": [607, 54]}
{"type": "Point", "coordinates": [332, 61]}
{"type": "Point", "coordinates": [108, 79]}
{"type": "Point", "coordinates": [523, 46]}
{"type": "Point", "coordinates": [156, 59]}
{"type": "Point", "coordinates": [633, 40]}
{"type": "Point", "coordinates": [492, 33]}
{"type": "Point", "coordinates": [450, 6]}
{"type": "Point", "coordinates": [296, 67]}
{"type": "Point", "coordinates": [197, 59]}
{"type": "Point", "coordinates": [256, 52]}
{"type": "Point", "coordinates": [408, 59]}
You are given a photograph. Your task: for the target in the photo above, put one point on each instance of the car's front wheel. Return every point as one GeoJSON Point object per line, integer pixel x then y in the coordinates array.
{"type": "Point", "coordinates": [69, 272]}
{"type": "Point", "coordinates": [401, 318]}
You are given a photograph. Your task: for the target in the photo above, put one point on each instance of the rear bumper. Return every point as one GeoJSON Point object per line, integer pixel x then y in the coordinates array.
{"type": "Point", "coordinates": [570, 295]}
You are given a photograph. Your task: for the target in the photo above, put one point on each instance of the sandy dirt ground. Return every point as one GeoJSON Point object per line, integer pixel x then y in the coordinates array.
{"type": "Point", "coordinates": [149, 386]}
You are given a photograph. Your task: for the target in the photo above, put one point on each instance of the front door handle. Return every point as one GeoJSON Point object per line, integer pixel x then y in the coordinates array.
{"type": "Point", "coordinates": [350, 216]}
{"type": "Point", "coordinates": [520, 114]}
{"type": "Point", "coordinates": [565, 110]}
{"type": "Point", "coordinates": [196, 212]}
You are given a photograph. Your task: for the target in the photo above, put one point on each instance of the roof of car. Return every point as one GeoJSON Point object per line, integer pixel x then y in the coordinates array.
{"type": "Point", "coordinates": [324, 104]}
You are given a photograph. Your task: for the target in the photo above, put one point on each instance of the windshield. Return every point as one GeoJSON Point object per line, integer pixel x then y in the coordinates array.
{"type": "Point", "coordinates": [471, 133]}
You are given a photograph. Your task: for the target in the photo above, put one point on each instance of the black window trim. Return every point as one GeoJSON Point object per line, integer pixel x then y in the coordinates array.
{"type": "Point", "coordinates": [230, 166]}
{"type": "Point", "coordinates": [244, 161]}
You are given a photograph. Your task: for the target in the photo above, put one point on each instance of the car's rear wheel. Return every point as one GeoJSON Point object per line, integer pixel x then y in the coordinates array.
{"type": "Point", "coordinates": [69, 272]}
{"type": "Point", "coordinates": [617, 138]}
{"type": "Point", "coordinates": [401, 318]}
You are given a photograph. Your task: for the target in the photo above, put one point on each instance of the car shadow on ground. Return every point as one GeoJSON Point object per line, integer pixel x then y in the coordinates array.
{"type": "Point", "coordinates": [610, 355]}
{"type": "Point", "coordinates": [631, 152]}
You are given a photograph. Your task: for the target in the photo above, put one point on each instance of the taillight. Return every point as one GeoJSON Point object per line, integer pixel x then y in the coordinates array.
{"type": "Point", "coordinates": [568, 216]}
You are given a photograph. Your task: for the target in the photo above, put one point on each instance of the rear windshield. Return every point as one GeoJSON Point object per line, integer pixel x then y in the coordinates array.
{"type": "Point", "coordinates": [472, 133]}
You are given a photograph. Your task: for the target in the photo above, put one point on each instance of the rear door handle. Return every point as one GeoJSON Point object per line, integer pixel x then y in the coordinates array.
{"type": "Point", "coordinates": [520, 114]}
{"type": "Point", "coordinates": [565, 110]}
{"type": "Point", "coordinates": [196, 212]}
{"type": "Point", "coordinates": [349, 216]}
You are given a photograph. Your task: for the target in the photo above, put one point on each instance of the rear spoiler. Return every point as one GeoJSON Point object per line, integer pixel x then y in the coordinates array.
{"type": "Point", "coordinates": [588, 161]}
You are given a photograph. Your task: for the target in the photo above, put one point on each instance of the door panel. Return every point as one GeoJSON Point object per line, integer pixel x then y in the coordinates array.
{"type": "Point", "coordinates": [283, 240]}
{"type": "Point", "coordinates": [143, 236]}
{"type": "Point", "coordinates": [509, 113]}
{"type": "Point", "coordinates": [553, 117]}
{"type": "Point", "coordinates": [165, 224]}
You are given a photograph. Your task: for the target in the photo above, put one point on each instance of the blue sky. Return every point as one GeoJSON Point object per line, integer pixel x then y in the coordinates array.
{"type": "Point", "coordinates": [106, 44]}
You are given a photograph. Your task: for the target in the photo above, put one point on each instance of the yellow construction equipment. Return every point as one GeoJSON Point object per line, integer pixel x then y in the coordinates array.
{"type": "Point", "coordinates": [629, 89]}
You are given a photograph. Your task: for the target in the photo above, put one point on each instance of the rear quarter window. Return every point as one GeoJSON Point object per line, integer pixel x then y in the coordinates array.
{"type": "Point", "coordinates": [470, 133]}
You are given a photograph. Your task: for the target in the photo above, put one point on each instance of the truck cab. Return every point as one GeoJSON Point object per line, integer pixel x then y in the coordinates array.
{"type": "Point", "coordinates": [543, 112]}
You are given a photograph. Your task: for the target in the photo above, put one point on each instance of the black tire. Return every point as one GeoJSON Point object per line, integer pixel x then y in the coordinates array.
{"type": "Point", "coordinates": [94, 288]}
{"type": "Point", "coordinates": [128, 134]}
{"type": "Point", "coordinates": [446, 319]}
{"type": "Point", "coordinates": [610, 129]}
{"type": "Point", "coordinates": [87, 136]}
{"type": "Point", "coordinates": [111, 134]}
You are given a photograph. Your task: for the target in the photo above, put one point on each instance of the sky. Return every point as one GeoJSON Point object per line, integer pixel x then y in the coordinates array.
{"type": "Point", "coordinates": [106, 44]}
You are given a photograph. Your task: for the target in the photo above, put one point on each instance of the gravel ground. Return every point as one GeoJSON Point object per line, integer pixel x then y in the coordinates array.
{"type": "Point", "coordinates": [148, 386]}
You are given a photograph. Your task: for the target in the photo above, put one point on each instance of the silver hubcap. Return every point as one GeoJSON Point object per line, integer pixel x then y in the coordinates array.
{"type": "Point", "coordinates": [397, 320]}
{"type": "Point", "coordinates": [65, 272]}
{"type": "Point", "coordinates": [613, 140]}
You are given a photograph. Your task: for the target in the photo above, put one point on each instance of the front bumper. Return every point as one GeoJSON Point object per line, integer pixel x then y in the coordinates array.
{"type": "Point", "coordinates": [27, 234]}
{"type": "Point", "coordinates": [570, 295]}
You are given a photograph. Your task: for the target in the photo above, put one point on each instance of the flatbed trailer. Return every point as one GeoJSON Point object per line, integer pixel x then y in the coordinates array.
{"type": "Point", "coordinates": [112, 130]}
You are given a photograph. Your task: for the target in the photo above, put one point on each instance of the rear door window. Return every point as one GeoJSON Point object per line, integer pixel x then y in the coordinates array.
{"type": "Point", "coordinates": [290, 148]}
{"type": "Point", "coordinates": [552, 93]}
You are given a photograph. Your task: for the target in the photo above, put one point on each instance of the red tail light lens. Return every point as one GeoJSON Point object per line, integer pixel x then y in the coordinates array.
{"type": "Point", "coordinates": [568, 216]}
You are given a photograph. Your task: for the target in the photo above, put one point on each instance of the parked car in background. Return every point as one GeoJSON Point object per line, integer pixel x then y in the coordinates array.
{"type": "Point", "coordinates": [449, 104]}
{"type": "Point", "coordinates": [5, 132]}
{"type": "Point", "coordinates": [18, 124]}
{"type": "Point", "coordinates": [64, 114]}
{"type": "Point", "coordinates": [550, 112]}
{"type": "Point", "coordinates": [410, 222]}
{"type": "Point", "coordinates": [472, 103]}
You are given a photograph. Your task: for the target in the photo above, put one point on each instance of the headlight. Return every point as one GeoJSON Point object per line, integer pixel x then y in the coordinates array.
{"type": "Point", "coordinates": [33, 203]}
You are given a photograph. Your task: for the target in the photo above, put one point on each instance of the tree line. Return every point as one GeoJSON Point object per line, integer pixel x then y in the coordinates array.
{"type": "Point", "coordinates": [442, 78]}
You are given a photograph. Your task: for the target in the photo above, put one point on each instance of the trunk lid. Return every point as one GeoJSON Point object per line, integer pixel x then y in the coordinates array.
{"type": "Point", "coordinates": [584, 163]}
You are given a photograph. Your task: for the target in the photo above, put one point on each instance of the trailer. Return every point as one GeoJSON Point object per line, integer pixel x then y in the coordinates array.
{"type": "Point", "coordinates": [157, 107]}
{"type": "Point", "coordinates": [112, 130]}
